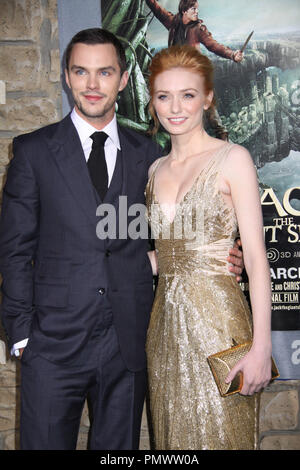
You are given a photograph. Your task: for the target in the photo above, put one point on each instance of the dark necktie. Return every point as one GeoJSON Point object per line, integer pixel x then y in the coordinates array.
{"type": "Point", "coordinates": [97, 164]}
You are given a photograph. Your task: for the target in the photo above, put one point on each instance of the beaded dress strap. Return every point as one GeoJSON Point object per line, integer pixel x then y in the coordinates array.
{"type": "Point", "coordinates": [151, 179]}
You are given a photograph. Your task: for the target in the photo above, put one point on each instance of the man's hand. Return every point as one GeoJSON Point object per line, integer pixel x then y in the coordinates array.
{"type": "Point", "coordinates": [238, 56]}
{"type": "Point", "coordinates": [236, 259]}
{"type": "Point", "coordinates": [20, 353]}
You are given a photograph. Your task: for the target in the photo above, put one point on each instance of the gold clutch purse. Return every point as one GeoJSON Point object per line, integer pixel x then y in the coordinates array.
{"type": "Point", "coordinates": [221, 364]}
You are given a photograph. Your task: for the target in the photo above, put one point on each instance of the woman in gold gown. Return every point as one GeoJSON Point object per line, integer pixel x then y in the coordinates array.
{"type": "Point", "coordinates": [197, 198]}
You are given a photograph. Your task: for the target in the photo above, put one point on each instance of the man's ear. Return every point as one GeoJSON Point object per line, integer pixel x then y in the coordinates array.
{"type": "Point", "coordinates": [67, 78]}
{"type": "Point", "coordinates": [124, 80]}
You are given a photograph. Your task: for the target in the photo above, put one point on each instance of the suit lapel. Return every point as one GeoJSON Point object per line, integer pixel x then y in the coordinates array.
{"type": "Point", "coordinates": [67, 151]}
{"type": "Point", "coordinates": [132, 159]}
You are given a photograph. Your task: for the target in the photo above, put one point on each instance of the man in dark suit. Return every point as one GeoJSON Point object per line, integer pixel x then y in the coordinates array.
{"type": "Point", "coordinates": [76, 305]}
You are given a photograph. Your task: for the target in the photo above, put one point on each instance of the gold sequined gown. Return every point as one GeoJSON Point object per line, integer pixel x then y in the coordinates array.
{"type": "Point", "coordinates": [198, 310]}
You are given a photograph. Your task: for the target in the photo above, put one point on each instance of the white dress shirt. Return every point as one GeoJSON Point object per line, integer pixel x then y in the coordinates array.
{"type": "Point", "coordinates": [111, 147]}
{"type": "Point", "coordinates": [112, 143]}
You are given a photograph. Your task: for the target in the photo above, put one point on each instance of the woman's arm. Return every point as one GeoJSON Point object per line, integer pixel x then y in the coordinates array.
{"type": "Point", "coordinates": [153, 260]}
{"type": "Point", "coordinates": [240, 178]}
{"type": "Point", "coordinates": [152, 253]}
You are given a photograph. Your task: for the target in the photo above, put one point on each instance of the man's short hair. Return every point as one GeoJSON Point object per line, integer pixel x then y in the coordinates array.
{"type": "Point", "coordinates": [95, 36]}
{"type": "Point", "coordinates": [185, 5]}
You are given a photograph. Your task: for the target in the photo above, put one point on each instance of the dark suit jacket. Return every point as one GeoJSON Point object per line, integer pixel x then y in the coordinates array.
{"type": "Point", "coordinates": [52, 263]}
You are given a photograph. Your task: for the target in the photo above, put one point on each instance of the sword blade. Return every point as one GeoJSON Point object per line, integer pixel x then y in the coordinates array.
{"type": "Point", "coordinates": [246, 42]}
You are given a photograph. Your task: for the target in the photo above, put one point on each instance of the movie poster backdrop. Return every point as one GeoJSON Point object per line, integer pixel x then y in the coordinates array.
{"type": "Point", "coordinates": [258, 105]}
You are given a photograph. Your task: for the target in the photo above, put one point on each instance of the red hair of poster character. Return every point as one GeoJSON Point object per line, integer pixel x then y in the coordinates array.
{"type": "Point", "coordinates": [179, 56]}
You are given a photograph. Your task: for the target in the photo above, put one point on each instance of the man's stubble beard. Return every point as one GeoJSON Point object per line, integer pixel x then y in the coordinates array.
{"type": "Point", "coordinates": [101, 114]}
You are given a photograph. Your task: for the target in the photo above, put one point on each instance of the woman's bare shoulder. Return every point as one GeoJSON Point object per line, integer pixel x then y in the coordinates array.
{"type": "Point", "coordinates": [238, 152]}
{"type": "Point", "coordinates": [155, 164]}
{"type": "Point", "coordinates": [238, 158]}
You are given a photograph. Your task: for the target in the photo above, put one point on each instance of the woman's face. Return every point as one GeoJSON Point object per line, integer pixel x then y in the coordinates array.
{"type": "Point", "coordinates": [179, 100]}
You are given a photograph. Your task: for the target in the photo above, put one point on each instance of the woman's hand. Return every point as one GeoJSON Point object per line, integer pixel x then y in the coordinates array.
{"type": "Point", "coordinates": [256, 369]}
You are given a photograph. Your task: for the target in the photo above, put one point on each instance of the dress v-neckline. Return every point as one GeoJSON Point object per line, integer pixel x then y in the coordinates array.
{"type": "Point", "coordinates": [178, 204]}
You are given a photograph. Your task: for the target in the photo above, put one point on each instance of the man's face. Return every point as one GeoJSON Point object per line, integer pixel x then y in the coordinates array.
{"type": "Point", "coordinates": [94, 78]}
{"type": "Point", "coordinates": [191, 14]}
